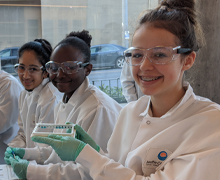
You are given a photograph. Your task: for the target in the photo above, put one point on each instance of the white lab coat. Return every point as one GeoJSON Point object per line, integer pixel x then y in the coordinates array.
{"type": "Point", "coordinates": [10, 89]}
{"type": "Point", "coordinates": [130, 88]}
{"type": "Point", "coordinates": [95, 112]}
{"type": "Point", "coordinates": [36, 106]}
{"type": "Point", "coordinates": [183, 144]}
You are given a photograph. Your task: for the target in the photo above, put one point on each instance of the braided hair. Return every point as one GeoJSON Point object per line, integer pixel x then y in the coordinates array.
{"type": "Point", "coordinates": [41, 47]}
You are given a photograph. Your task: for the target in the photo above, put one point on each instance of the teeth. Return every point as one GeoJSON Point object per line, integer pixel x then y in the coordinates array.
{"type": "Point", "coordinates": [149, 79]}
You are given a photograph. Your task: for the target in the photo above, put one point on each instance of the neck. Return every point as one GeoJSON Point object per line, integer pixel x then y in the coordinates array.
{"type": "Point", "coordinates": [160, 105]}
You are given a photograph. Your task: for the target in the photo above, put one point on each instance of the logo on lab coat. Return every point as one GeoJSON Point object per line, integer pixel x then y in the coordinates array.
{"type": "Point", "coordinates": [162, 155]}
{"type": "Point", "coordinates": [155, 157]}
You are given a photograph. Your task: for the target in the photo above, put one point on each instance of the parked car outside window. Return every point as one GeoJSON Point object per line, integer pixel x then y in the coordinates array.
{"type": "Point", "coordinates": [107, 55]}
{"type": "Point", "coordinates": [9, 57]}
{"type": "Point", "coordinates": [103, 55]}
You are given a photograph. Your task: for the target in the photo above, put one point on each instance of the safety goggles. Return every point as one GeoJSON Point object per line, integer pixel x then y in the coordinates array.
{"type": "Point", "coordinates": [157, 55]}
{"type": "Point", "coordinates": [68, 67]}
{"type": "Point", "coordinates": [20, 69]}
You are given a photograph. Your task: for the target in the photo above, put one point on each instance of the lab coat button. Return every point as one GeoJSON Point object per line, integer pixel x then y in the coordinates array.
{"type": "Point", "coordinates": [148, 122]}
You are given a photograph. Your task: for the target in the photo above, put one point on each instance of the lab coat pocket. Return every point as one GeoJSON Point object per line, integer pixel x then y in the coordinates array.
{"type": "Point", "coordinates": [153, 159]}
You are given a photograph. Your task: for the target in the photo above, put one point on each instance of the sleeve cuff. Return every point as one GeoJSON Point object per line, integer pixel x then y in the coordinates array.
{"type": "Point", "coordinates": [32, 153]}
{"type": "Point", "coordinates": [92, 160]}
{"type": "Point", "coordinates": [36, 172]}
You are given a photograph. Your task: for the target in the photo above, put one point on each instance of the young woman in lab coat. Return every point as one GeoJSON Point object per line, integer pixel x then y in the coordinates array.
{"type": "Point", "coordinates": [169, 134]}
{"type": "Point", "coordinates": [37, 101]}
{"type": "Point", "coordinates": [82, 104]}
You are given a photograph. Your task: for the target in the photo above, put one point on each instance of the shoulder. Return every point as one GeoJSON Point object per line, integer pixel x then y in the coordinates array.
{"type": "Point", "coordinates": [49, 90]}
{"type": "Point", "coordinates": [205, 105]}
{"type": "Point", "coordinates": [7, 80]}
{"type": "Point", "coordinates": [138, 106]}
{"type": "Point", "coordinates": [195, 105]}
{"type": "Point", "coordinates": [102, 99]}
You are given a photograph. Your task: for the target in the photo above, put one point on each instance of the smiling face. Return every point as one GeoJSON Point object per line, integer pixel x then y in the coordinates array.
{"type": "Point", "coordinates": [31, 81]}
{"type": "Point", "coordinates": [156, 79]}
{"type": "Point", "coordinates": [68, 83]}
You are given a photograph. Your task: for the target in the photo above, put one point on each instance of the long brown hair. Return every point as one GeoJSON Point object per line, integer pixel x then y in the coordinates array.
{"type": "Point", "coordinates": [178, 17]}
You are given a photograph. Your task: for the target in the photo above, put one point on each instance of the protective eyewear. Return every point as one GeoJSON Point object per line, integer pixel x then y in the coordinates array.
{"type": "Point", "coordinates": [20, 69]}
{"type": "Point", "coordinates": [157, 55]}
{"type": "Point", "coordinates": [68, 67]}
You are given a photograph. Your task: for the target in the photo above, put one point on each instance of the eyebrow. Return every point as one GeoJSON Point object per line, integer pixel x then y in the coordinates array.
{"type": "Point", "coordinates": [32, 65]}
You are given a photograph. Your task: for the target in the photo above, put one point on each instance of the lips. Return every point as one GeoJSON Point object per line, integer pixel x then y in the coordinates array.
{"type": "Point", "coordinates": [62, 82]}
{"type": "Point", "coordinates": [149, 79]}
{"type": "Point", "coordinates": [27, 82]}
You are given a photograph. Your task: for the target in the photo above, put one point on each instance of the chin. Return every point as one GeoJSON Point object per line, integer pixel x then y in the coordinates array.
{"type": "Point", "coordinates": [28, 89]}
{"type": "Point", "coordinates": [147, 92]}
{"type": "Point", "coordinates": [62, 90]}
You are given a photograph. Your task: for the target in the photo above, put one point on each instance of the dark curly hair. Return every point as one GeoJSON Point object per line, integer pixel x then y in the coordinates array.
{"type": "Point", "coordinates": [79, 40]}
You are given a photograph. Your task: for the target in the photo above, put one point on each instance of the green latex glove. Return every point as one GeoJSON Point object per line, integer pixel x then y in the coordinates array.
{"type": "Point", "coordinates": [67, 148]}
{"type": "Point", "coordinates": [19, 166]}
{"type": "Point", "coordinates": [82, 135]}
{"type": "Point", "coordinates": [10, 152]}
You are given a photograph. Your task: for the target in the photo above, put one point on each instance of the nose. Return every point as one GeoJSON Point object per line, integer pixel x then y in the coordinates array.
{"type": "Point", "coordinates": [60, 72]}
{"type": "Point", "coordinates": [146, 64]}
{"type": "Point", "coordinates": [26, 74]}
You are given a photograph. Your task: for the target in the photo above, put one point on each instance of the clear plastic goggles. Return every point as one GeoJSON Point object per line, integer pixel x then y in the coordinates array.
{"type": "Point", "coordinates": [68, 67]}
{"type": "Point", "coordinates": [20, 69]}
{"type": "Point", "coordinates": [157, 55]}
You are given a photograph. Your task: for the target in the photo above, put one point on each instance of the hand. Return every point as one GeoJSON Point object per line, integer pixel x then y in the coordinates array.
{"type": "Point", "coordinates": [11, 152]}
{"type": "Point", "coordinates": [82, 135]}
{"type": "Point", "coordinates": [19, 166]}
{"type": "Point", "coordinates": [67, 148]}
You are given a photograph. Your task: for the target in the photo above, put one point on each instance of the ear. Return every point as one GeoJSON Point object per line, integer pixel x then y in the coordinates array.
{"type": "Point", "coordinates": [88, 69]}
{"type": "Point", "coordinates": [189, 61]}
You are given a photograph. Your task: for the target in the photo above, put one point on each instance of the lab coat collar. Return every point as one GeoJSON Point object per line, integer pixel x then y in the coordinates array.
{"type": "Point", "coordinates": [189, 93]}
{"type": "Point", "coordinates": [39, 88]}
{"type": "Point", "coordinates": [147, 109]}
{"type": "Point", "coordinates": [78, 93]}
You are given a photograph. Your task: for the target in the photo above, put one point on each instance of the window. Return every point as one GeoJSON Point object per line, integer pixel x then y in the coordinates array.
{"type": "Point", "coordinates": [14, 52]}
{"type": "Point", "coordinates": [32, 29]}
{"type": "Point", "coordinates": [62, 26]}
{"type": "Point", "coordinates": [109, 22]}
{"type": "Point", "coordinates": [94, 49]}
{"type": "Point", "coordinates": [108, 48]}
{"type": "Point", "coordinates": [5, 53]}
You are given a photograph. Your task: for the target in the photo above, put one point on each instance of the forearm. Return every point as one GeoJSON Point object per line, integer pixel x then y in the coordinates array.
{"type": "Point", "coordinates": [101, 167]}
{"type": "Point", "coordinates": [188, 166]}
{"type": "Point", "coordinates": [39, 154]}
{"type": "Point", "coordinates": [68, 171]}
{"type": "Point", "coordinates": [18, 141]}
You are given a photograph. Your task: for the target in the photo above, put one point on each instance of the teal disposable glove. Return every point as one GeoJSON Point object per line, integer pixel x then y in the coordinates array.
{"type": "Point", "coordinates": [11, 152]}
{"type": "Point", "coordinates": [82, 135]}
{"type": "Point", "coordinates": [67, 148]}
{"type": "Point", "coordinates": [19, 166]}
